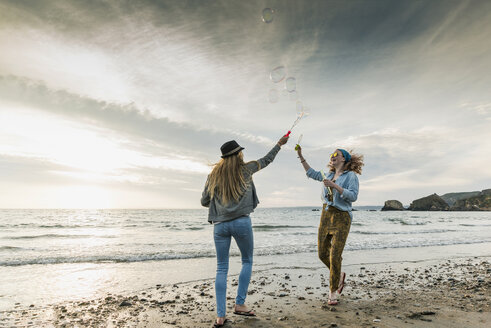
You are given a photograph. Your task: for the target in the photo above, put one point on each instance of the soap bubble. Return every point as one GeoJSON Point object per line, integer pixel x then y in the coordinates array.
{"type": "Point", "coordinates": [278, 74]}
{"type": "Point", "coordinates": [268, 15]}
{"type": "Point", "coordinates": [305, 111]}
{"type": "Point", "coordinates": [291, 84]}
{"type": "Point", "coordinates": [299, 107]}
{"type": "Point", "coordinates": [273, 96]}
{"type": "Point", "coordinates": [293, 95]}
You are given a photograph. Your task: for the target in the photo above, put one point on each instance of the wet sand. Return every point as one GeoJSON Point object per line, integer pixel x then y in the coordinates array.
{"type": "Point", "coordinates": [433, 293]}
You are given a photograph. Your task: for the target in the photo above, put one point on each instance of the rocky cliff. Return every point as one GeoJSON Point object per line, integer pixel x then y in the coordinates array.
{"type": "Point", "coordinates": [480, 202]}
{"type": "Point", "coordinates": [429, 203]}
{"type": "Point", "coordinates": [392, 205]}
{"type": "Point", "coordinates": [453, 197]}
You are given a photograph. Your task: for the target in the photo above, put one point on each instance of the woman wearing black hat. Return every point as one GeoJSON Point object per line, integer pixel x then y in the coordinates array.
{"type": "Point", "coordinates": [230, 195]}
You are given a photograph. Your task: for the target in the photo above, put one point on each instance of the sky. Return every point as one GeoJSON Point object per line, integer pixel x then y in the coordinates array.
{"type": "Point", "coordinates": [125, 104]}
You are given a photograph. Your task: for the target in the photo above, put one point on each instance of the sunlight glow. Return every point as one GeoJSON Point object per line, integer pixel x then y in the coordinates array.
{"type": "Point", "coordinates": [83, 197]}
{"type": "Point", "coordinates": [98, 154]}
{"type": "Point", "coordinates": [64, 142]}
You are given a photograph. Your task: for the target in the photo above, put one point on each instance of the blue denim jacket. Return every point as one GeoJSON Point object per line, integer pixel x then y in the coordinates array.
{"type": "Point", "coordinates": [347, 180]}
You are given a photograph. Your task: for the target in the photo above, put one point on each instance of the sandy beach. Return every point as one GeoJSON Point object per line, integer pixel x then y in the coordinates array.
{"type": "Point", "coordinates": [424, 293]}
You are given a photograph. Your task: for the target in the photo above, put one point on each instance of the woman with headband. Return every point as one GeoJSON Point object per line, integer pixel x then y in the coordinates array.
{"type": "Point", "coordinates": [339, 190]}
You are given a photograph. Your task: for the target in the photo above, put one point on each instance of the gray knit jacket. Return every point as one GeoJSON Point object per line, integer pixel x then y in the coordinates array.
{"type": "Point", "coordinates": [247, 203]}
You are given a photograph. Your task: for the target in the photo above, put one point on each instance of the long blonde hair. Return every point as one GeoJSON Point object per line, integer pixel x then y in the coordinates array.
{"type": "Point", "coordinates": [226, 180]}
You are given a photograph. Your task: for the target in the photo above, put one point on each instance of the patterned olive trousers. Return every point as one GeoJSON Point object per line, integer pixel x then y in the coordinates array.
{"type": "Point", "coordinates": [333, 232]}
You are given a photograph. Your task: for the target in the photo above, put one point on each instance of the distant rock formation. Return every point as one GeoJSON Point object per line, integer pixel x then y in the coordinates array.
{"type": "Point", "coordinates": [453, 197]}
{"type": "Point", "coordinates": [429, 203]}
{"type": "Point", "coordinates": [480, 202]}
{"type": "Point", "coordinates": [392, 205]}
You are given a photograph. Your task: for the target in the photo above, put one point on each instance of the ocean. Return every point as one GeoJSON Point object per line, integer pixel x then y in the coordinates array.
{"type": "Point", "coordinates": [49, 256]}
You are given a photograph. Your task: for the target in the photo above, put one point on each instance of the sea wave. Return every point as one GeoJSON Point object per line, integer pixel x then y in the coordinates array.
{"type": "Point", "coordinates": [266, 251]}
{"type": "Point", "coordinates": [427, 243]}
{"type": "Point", "coordinates": [62, 226]}
{"type": "Point", "coordinates": [266, 227]}
{"type": "Point", "coordinates": [307, 233]}
{"type": "Point", "coordinates": [10, 248]}
{"type": "Point", "coordinates": [474, 225]}
{"type": "Point", "coordinates": [51, 226]}
{"type": "Point", "coordinates": [53, 235]}
{"type": "Point", "coordinates": [405, 222]}
{"type": "Point", "coordinates": [104, 259]}
{"type": "Point", "coordinates": [401, 232]}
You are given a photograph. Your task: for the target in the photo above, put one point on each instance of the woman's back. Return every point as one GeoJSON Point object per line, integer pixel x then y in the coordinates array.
{"type": "Point", "coordinates": [228, 208]}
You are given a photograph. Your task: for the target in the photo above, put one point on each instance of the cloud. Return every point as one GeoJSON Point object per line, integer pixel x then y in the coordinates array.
{"type": "Point", "coordinates": [28, 170]}
{"type": "Point", "coordinates": [124, 119]}
{"type": "Point", "coordinates": [157, 87]}
{"type": "Point", "coordinates": [482, 109]}
{"type": "Point", "coordinates": [217, 56]}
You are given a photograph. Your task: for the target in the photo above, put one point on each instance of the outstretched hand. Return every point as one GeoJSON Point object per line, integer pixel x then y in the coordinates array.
{"type": "Point", "coordinates": [298, 148]}
{"type": "Point", "coordinates": [283, 140]}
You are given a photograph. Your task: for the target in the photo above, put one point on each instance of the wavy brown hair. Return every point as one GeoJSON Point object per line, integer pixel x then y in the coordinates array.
{"type": "Point", "coordinates": [355, 164]}
{"type": "Point", "coordinates": [226, 180]}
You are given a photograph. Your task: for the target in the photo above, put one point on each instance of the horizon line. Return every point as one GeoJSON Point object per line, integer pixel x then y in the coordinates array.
{"type": "Point", "coordinates": [152, 208]}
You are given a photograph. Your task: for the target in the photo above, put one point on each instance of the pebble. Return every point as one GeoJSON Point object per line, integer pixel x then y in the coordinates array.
{"type": "Point", "coordinates": [428, 313]}
{"type": "Point", "coordinates": [473, 282]}
{"type": "Point", "coordinates": [125, 303]}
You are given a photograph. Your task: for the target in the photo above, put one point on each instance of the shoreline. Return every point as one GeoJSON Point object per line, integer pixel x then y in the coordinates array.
{"type": "Point", "coordinates": [82, 281]}
{"type": "Point", "coordinates": [438, 293]}
{"type": "Point", "coordinates": [86, 281]}
{"type": "Point", "coordinates": [449, 281]}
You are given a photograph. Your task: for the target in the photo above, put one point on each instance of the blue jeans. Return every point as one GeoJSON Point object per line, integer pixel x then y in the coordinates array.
{"type": "Point", "coordinates": [241, 230]}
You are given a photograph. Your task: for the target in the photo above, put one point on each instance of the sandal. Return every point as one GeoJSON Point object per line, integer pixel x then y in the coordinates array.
{"type": "Point", "coordinates": [333, 298]}
{"type": "Point", "coordinates": [249, 313]}
{"type": "Point", "coordinates": [332, 302]}
{"type": "Point", "coordinates": [341, 283]}
{"type": "Point", "coordinates": [217, 325]}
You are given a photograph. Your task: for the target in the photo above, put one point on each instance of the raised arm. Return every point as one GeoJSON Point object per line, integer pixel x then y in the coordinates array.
{"type": "Point", "coordinates": [304, 163]}
{"type": "Point", "coordinates": [311, 173]}
{"type": "Point", "coordinates": [270, 156]}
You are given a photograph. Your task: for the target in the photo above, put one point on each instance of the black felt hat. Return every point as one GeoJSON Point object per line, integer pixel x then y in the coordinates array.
{"type": "Point", "coordinates": [230, 148]}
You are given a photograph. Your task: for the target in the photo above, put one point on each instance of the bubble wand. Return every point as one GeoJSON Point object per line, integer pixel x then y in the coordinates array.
{"type": "Point", "coordinates": [299, 117]}
{"type": "Point", "coordinates": [297, 146]}
{"type": "Point", "coordinates": [324, 178]}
